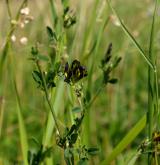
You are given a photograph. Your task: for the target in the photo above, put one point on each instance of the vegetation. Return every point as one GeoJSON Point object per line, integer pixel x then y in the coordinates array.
{"type": "Point", "coordinates": [79, 82]}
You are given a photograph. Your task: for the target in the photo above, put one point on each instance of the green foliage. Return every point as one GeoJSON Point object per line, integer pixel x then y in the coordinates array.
{"type": "Point", "coordinates": [35, 158]}
{"type": "Point", "coordinates": [69, 19]}
{"type": "Point", "coordinates": [76, 109]}
{"type": "Point", "coordinates": [71, 135]}
{"type": "Point", "coordinates": [51, 34]}
{"type": "Point", "coordinates": [79, 109]}
{"type": "Point", "coordinates": [108, 64]}
{"type": "Point", "coordinates": [49, 78]}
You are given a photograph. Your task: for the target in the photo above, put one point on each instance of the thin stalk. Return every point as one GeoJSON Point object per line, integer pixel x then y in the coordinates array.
{"type": "Point", "coordinates": [9, 10]}
{"type": "Point", "coordinates": [53, 12]}
{"type": "Point", "coordinates": [22, 130]}
{"type": "Point", "coordinates": [155, 157]}
{"type": "Point", "coordinates": [71, 100]}
{"type": "Point", "coordinates": [93, 59]}
{"type": "Point", "coordinates": [2, 101]}
{"type": "Point", "coordinates": [152, 83]}
{"type": "Point", "coordinates": [95, 96]}
{"type": "Point", "coordinates": [57, 96]}
{"type": "Point", "coordinates": [125, 29]}
{"type": "Point", "coordinates": [10, 32]}
{"type": "Point", "coordinates": [19, 10]}
{"type": "Point", "coordinates": [21, 122]}
{"type": "Point", "coordinates": [47, 98]}
{"type": "Point", "coordinates": [157, 101]}
{"type": "Point", "coordinates": [151, 77]}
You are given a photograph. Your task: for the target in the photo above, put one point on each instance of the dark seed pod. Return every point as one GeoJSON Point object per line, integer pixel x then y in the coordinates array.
{"type": "Point", "coordinates": [74, 73]}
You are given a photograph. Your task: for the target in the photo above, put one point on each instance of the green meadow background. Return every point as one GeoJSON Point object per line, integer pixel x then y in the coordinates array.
{"type": "Point", "coordinates": [116, 109]}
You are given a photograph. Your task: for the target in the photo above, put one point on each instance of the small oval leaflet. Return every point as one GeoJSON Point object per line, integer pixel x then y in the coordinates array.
{"type": "Point", "coordinates": [93, 151]}
{"type": "Point", "coordinates": [76, 110]}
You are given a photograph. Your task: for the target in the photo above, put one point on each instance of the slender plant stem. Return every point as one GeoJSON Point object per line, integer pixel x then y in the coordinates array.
{"type": "Point", "coordinates": [125, 29]}
{"type": "Point", "coordinates": [95, 96]}
{"type": "Point", "coordinates": [9, 10]}
{"type": "Point", "coordinates": [10, 32]}
{"type": "Point", "coordinates": [47, 98]}
{"type": "Point", "coordinates": [2, 101]}
{"type": "Point", "coordinates": [21, 6]}
{"type": "Point", "coordinates": [53, 11]}
{"type": "Point", "coordinates": [152, 87]}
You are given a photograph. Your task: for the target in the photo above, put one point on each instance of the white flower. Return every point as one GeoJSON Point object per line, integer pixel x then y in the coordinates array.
{"type": "Point", "coordinates": [26, 21]}
{"type": "Point", "coordinates": [24, 40]}
{"type": "Point", "coordinates": [13, 38]}
{"type": "Point", "coordinates": [21, 24]}
{"type": "Point", "coordinates": [25, 11]}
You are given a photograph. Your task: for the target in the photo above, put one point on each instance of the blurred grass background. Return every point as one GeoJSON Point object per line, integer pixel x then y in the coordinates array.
{"type": "Point", "coordinates": [116, 109]}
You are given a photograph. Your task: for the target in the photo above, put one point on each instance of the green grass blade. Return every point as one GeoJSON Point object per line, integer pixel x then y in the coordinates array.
{"type": "Point", "coordinates": [126, 140]}
{"type": "Point", "coordinates": [22, 130]}
{"type": "Point", "coordinates": [1, 115]}
{"type": "Point", "coordinates": [134, 158]}
{"type": "Point", "coordinates": [152, 85]}
{"type": "Point", "coordinates": [53, 11]}
{"type": "Point", "coordinates": [152, 93]}
{"type": "Point", "coordinates": [50, 122]}
{"type": "Point", "coordinates": [154, 56]}
{"type": "Point", "coordinates": [124, 28]}
{"type": "Point", "coordinates": [152, 34]}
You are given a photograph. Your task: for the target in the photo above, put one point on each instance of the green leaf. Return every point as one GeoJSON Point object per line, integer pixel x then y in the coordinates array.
{"type": "Point", "coordinates": [68, 155]}
{"type": "Point", "coordinates": [37, 76]}
{"type": "Point", "coordinates": [93, 151]}
{"type": "Point", "coordinates": [65, 3]}
{"type": "Point", "coordinates": [74, 138]}
{"type": "Point", "coordinates": [51, 34]}
{"type": "Point", "coordinates": [117, 61]}
{"type": "Point", "coordinates": [88, 96]}
{"type": "Point", "coordinates": [50, 79]}
{"type": "Point", "coordinates": [57, 66]}
{"type": "Point", "coordinates": [34, 51]}
{"type": "Point", "coordinates": [29, 157]}
{"type": "Point", "coordinates": [113, 81]}
{"type": "Point", "coordinates": [76, 110]}
{"type": "Point", "coordinates": [82, 161]}
{"type": "Point", "coordinates": [47, 152]}
{"type": "Point", "coordinates": [43, 58]}
{"type": "Point", "coordinates": [72, 129]}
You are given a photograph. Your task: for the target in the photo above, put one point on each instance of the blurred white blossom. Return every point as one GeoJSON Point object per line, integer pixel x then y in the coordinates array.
{"type": "Point", "coordinates": [25, 11]}
{"type": "Point", "coordinates": [21, 24]}
{"type": "Point", "coordinates": [24, 40]}
{"type": "Point", "coordinates": [13, 38]}
{"type": "Point", "coordinates": [25, 17]}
